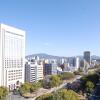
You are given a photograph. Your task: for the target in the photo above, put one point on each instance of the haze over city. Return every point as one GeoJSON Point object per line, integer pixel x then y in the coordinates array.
{"type": "Point", "coordinates": [57, 27]}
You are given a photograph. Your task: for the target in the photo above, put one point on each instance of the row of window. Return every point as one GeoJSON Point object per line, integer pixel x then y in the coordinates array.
{"type": "Point", "coordinates": [14, 78]}
{"type": "Point", "coordinates": [15, 70]}
{"type": "Point", "coordinates": [14, 74]}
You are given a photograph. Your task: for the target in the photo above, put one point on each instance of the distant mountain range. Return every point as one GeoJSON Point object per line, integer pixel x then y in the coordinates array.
{"type": "Point", "coordinates": [46, 56]}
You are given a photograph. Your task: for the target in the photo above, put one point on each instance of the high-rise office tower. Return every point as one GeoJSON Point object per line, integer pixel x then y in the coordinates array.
{"type": "Point", "coordinates": [87, 57]}
{"type": "Point", "coordinates": [12, 56]}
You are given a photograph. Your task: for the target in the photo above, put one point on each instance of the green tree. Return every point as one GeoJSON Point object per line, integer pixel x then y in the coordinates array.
{"type": "Point", "coordinates": [71, 95]}
{"type": "Point", "coordinates": [45, 97]}
{"type": "Point", "coordinates": [89, 86]}
{"type": "Point", "coordinates": [3, 93]}
{"type": "Point", "coordinates": [41, 83]}
{"type": "Point", "coordinates": [54, 81]}
{"type": "Point", "coordinates": [35, 86]}
{"type": "Point", "coordinates": [29, 87]}
{"type": "Point", "coordinates": [92, 77]}
{"type": "Point", "coordinates": [62, 94]}
{"type": "Point", "coordinates": [25, 88]}
{"type": "Point", "coordinates": [97, 66]}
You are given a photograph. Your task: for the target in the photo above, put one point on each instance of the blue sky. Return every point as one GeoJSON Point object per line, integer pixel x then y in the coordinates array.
{"type": "Point", "coordinates": [58, 27]}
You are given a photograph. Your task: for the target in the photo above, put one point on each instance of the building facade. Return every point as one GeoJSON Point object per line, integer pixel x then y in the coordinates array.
{"type": "Point", "coordinates": [50, 69]}
{"type": "Point", "coordinates": [33, 71]}
{"type": "Point", "coordinates": [87, 57]}
{"type": "Point", "coordinates": [12, 56]}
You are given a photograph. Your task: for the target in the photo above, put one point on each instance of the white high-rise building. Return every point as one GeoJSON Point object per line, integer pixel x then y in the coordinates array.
{"type": "Point", "coordinates": [12, 56]}
{"type": "Point", "coordinates": [33, 71]}
{"type": "Point", "coordinates": [77, 62]}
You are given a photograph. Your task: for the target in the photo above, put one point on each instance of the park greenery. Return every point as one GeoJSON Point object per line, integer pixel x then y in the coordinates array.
{"type": "Point", "coordinates": [3, 93]}
{"type": "Point", "coordinates": [62, 94]}
{"type": "Point", "coordinates": [85, 86]}
{"type": "Point", "coordinates": [89, 86]}
{"type": "Point", "coordinates": [89, 82]}
{"type": "Point", "coordinates": [67, 75]}
{"type": "Point", "coordinates": [94, 78]}
{"type": "Point", "coordinates": [78, 72]}
{"type": "Point", "coordinates": [54, 81]}
{"type": "Point", "coordinates": [29, 87]}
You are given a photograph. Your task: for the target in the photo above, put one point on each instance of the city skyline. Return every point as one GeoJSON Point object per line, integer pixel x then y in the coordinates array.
{"type": "Point", "coordinates": [63, 28]}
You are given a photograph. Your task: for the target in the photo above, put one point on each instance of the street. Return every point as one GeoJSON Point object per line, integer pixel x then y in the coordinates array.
{"type": "Point", "coordinates": [17, 97]}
